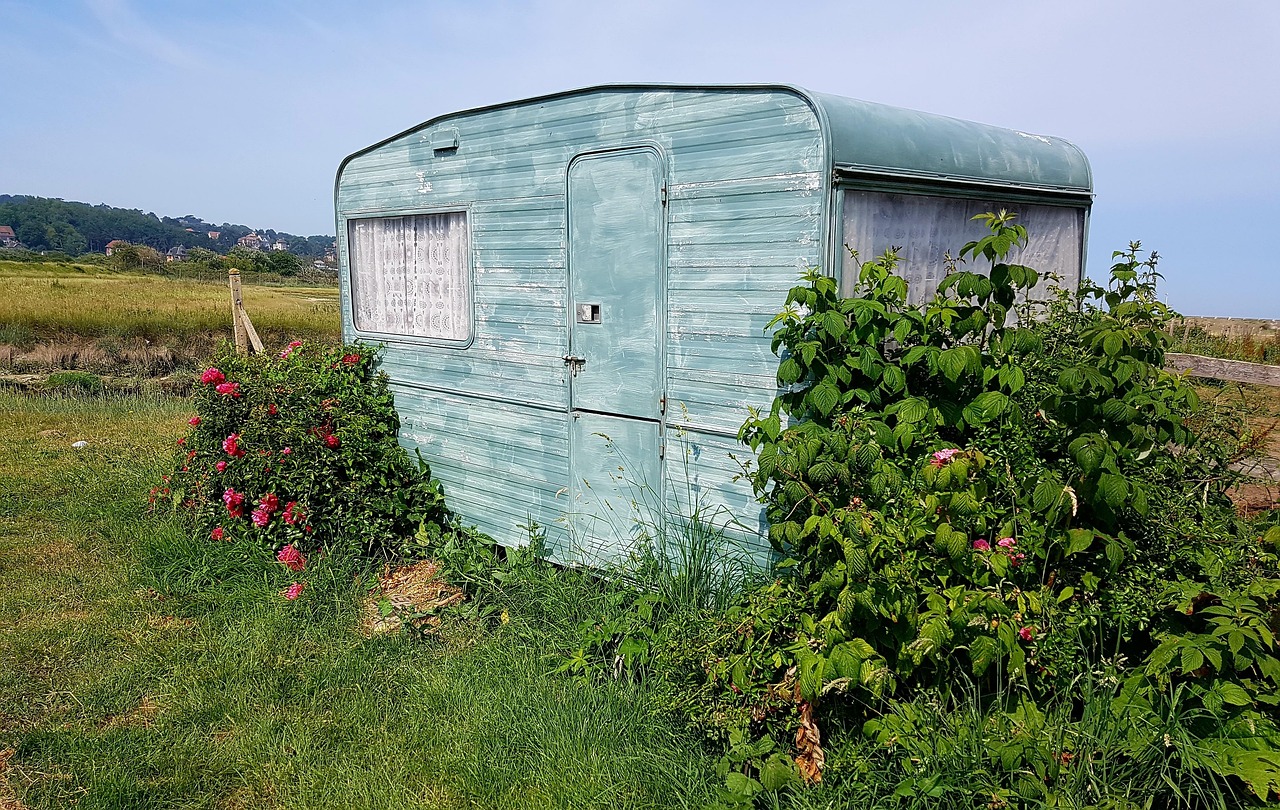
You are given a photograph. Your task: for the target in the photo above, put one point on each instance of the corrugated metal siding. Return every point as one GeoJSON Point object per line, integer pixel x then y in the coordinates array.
{"type": "Point", "coordinates": [747, 190]}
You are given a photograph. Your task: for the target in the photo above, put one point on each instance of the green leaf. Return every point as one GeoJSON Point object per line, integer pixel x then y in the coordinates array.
{"type": "Point", "coordinates": [1112, 344]}
{"type": "Point", "coordinates": [952, 362]}
{"type": "Point", "coordinates": [1089, 451]}
{"type": "Point", "coordinates": [894, 379]}
{"type": "Point", "coordinates": [1272, 537]}
{"type": "Point", "coordinates": [824, 397]}
{"type": "Point", "coordinates": [846, 660]}
{"type": "Point", "coordinates": [1115, 555]}
{"type": "Point", "coordinates": [1078, 540]}
{"type": "Point", "coordinates": [788, 372]}
{"type": "Point", "coordinates": [912, 410]}
{"type": "Point", "coordinates": [982, 653]}
{"type": "Point", "coordinates": [1046, 494]}
{"type": "Point", "coordinates": [1192, 659]}
{"type": "Point", "coordinates": [991, 404]}
{"type": "Point", "coordinates": [777, 772]}
{"type": "Point", "coordinates": [739, 784]}
{"type": "Point", "coordinates": [1012, 378]}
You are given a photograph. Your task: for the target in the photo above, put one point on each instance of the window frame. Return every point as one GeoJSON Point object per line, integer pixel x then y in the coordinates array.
{"type": "Point", "coordinates": [349, 296]}
{"type": "Point", "coordinates": [1002, 196]}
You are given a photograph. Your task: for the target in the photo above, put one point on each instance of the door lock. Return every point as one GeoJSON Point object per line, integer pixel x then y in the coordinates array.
{"type": "Point", "coordinates": [574, 363]}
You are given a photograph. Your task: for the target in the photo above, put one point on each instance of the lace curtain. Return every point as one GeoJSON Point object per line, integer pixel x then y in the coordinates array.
{"type": "Point", "coordinates": [411, 275]}
{"type": "Point", "coordinates": [927, 227]}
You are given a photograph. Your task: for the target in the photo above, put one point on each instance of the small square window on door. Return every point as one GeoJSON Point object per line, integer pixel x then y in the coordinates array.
{"type": "Point", "coordinates": [588, 313]}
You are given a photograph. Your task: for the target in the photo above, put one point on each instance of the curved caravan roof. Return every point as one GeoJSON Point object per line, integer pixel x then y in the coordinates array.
{"type": "Point", "coordinates": [878, 138]}
{"type": "Point", "coordinates": [868, 138]}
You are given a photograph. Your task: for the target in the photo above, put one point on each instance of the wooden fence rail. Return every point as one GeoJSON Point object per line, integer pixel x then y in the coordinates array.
{"type": "Point", "coordinates": [1219, 369]}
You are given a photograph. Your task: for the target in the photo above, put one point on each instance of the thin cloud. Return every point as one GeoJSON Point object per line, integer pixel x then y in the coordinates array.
{"type": "Point", "coordinates": [128, 28]}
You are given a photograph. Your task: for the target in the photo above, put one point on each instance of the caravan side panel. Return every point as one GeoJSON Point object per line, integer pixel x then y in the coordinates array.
{"type": "Point", "coordinates": [747, 189]}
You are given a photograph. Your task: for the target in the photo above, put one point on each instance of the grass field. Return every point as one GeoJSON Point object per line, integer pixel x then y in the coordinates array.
{"type": "Point", "coordinates": [142, 669]}
{"type": "Point", "coordinates": [49, 313]}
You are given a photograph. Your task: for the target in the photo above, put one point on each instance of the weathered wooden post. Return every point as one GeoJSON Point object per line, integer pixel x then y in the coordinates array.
{"type": "Point", "coordinates": [237, 306]}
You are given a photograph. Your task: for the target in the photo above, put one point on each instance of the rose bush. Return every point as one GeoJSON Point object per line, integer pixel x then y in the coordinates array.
{"type": "Point", "coordinates": [298, 450]}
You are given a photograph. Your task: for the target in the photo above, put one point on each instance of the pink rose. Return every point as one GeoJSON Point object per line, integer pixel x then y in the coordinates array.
{"type": "Point", "coordinates": [228, 389]}
{"type": "Point", "coordinates": [234, 501]}
{"type": "Point", "coordinates": [332, 441]}
{"type": "Point", "coordinates": [1006, 542]}
{"type": "Point", "coordinates": [193, 421]}
{"type": "Point", "coordinates": [231, 446]}
{"type": "Point", "coordinates": [293, 591]}
{"type": "Point", "coordinates": [220, 466]}
{"type": "Point", "coordinates": [291, 513]}
{"type": "Point", "coordinates": [286, 451]}
{"type": "Point", "coordinates": [212, 376]}
{"type": "Point", "coordinates": [216, 534]}
{"type": "Point", "coordinates": [981, 545]}
{"type": "Point", "coordinates": [1026, 634]}
{"type": "Point", "coordinates": [943, 456]}
{"type": "Point", "coordinates": [288, 350]}
{"type": "Point", "coordinates": [291, 557]}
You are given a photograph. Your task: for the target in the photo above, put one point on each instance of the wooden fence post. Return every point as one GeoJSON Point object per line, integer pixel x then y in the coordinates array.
{"type": "Point", "coordinates": [237, 306]}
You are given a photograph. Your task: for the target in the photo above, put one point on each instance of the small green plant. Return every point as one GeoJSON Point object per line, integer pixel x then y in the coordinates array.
{"type": "Point", "coordinates": [299, 449]}
{"type": "Point", "coordinates": [74, 382]}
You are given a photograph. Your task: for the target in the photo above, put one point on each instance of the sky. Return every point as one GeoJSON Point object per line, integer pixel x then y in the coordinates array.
{"type": "Point", "coordinates": [240, 112]}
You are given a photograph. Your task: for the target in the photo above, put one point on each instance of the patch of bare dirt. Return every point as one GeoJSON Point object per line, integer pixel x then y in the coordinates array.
{"type": "Point", "coordinates": [169, 623]}
{"type": "Point", "coordinates": [8, 797]}
{"type": "Point", "coordinates": [407, 595]}
{"type": "Point", "coordinates": [140, 716]}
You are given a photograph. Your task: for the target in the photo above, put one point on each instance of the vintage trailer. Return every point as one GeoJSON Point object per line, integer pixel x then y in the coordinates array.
{"type": "Point", "coordinates": [572, 290]}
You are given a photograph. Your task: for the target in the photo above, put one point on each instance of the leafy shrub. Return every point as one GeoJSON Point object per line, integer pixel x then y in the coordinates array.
{"type": "Point", "coordinates": [960, 489]}
{"type": "Point", "coordinates": [300, 449]}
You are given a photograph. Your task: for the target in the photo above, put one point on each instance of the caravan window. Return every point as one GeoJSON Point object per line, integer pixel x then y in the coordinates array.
{"type": "Point", "coordinates": [927, 227]}
{"type": "Point", "coordinates": [411, 275]}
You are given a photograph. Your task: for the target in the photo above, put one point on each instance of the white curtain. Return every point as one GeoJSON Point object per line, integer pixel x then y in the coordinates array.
{"type": "Point", "coordinates": [411, 275]}
{"type": "Point", "coordinates": [925, 228]}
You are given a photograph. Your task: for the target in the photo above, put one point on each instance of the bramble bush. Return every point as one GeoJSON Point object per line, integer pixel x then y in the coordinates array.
{"type": "Point", "coordinates": [1007, 568]}
{"type": "Point", "coordinates": [298, 450]}
{"type": "Point", "coordinates": [989, 490]}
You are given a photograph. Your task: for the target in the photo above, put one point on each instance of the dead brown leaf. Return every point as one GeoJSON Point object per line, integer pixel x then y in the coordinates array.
{"type": "Point", "coordinates": [811, 759]}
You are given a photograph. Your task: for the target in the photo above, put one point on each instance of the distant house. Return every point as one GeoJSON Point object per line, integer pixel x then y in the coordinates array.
{"type": "Point", "coordinates": [176, 254]}
{"type": "Point", "coordinates": [214, 235]}
{"type": "Point", "coordinates": [279, 244]}
{"type": "Point", "coordinates": [114, 245]}
{"type": "Point", "coordinates": [7, 237]}
{"type": "Point", "coordinates": [250, 242]}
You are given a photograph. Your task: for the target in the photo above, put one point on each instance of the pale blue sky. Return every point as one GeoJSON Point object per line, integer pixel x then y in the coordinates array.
{"type": "Point", "coordinates": [241, 111]}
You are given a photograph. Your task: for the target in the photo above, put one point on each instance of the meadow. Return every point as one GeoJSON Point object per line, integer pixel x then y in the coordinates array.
{"type": "Point", "coordinates": [87, 317]}
{"type": "Point", "coordinates": [142, 668]}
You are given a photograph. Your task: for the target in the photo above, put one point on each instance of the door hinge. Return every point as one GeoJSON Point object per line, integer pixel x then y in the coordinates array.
{"type": "Point", "coordinates": [663, 194]}
{"type": "Point", "coordinates": [662, 405]}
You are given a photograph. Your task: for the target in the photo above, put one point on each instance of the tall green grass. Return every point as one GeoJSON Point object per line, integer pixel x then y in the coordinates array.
{"type": "Point", "coordinates": [140, 667]}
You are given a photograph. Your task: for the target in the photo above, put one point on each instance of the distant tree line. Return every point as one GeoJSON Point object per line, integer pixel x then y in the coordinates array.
{"type": "Point", "coordinates": [73, 228]}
